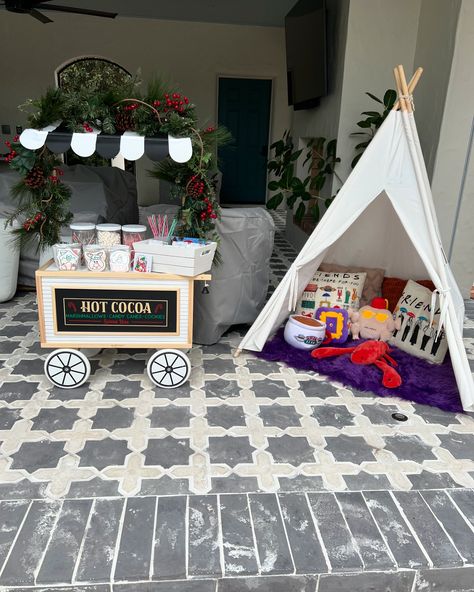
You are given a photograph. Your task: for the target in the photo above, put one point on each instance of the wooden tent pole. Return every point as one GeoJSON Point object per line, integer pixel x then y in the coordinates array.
{"type": "Point", "coordinates": [411, 85]}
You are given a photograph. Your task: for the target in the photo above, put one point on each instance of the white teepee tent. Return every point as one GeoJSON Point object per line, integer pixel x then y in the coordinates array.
{"type": "Point", "coordinates": [382, 217]}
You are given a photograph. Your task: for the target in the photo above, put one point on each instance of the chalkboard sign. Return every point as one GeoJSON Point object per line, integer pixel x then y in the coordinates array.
{"type": "Point", "coordinates": [93, 310]}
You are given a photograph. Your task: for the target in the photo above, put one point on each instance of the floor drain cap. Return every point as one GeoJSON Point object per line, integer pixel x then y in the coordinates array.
{"type": "Point", "coordinates": [399, 416]}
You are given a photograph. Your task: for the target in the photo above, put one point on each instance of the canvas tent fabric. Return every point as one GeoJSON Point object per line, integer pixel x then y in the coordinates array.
{"type": "Point", "coordinates": [383, 216]}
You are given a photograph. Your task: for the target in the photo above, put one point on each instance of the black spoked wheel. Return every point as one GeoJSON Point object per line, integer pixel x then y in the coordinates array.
{"type": "Point", "coordinates": [169, 368]}
{"type": "Point", "coordinates": [67, 368]}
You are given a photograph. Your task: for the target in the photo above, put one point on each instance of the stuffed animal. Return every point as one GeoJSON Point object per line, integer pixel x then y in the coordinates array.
{"type": "Point", "coordinates": [374, 321]}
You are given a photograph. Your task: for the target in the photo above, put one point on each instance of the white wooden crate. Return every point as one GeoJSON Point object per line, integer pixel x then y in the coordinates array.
{"type": "Point", "coordinates": [187, 261]}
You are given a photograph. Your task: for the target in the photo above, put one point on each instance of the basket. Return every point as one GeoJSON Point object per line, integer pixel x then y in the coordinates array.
{"type": "Point", "coordinates": [187, 261]}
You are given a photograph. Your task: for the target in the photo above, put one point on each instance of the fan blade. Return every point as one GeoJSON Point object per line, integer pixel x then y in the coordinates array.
{"type": "Point", "coordinates": [39, 16]}
{"type": "Point", "coordinates": [86, 11]}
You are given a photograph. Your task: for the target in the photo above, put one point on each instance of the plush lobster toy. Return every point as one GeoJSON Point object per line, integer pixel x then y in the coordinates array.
{"type": "Point", "coordinates": [367, 353]}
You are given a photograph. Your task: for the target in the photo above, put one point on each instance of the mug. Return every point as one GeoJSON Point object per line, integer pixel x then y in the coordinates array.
{"type": "Point", "coordinates": [304, 333]}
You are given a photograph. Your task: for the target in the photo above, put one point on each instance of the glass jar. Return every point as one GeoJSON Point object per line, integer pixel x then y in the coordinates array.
{"type": "Point", "coordinates": [119, 258]}
{"type": "Point", "coordinates": [83, 233]}
{"type": "Point", "coordinates": [109, 235]}
{"type": "Point", "coordinates": [132, 233]}
{"type": "Point", "coordinates": [95, 257]}
{"type": "Point", "coordinates": [67, 256]}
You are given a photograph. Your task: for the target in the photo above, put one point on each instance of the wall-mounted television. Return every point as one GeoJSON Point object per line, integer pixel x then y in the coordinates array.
{"type": "Point", "coordinates": [305, 31]}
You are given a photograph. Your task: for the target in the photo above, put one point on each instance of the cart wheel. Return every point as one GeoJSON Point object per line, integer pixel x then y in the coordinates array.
{"type": "Point", "coordinates": [169, 368]}
{"type": "Point", "coordinates": [67, 368]}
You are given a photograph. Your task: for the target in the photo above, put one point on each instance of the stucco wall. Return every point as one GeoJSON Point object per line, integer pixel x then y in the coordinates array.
{"type": "Point", "coordinates": [455, 159]}
{"type": "Point", "coordinates": [190, 54]}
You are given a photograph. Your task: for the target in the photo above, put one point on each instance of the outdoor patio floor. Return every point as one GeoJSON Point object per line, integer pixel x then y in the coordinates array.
{"type": "Point", "coordinates": [251, 477]}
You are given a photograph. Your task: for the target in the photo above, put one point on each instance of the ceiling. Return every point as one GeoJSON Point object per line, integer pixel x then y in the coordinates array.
{"type": "Point", "coordinates": [267, 13]}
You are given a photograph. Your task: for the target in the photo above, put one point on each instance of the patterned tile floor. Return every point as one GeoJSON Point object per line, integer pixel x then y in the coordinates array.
{"type": "Point", "coordinates": [242, 427]}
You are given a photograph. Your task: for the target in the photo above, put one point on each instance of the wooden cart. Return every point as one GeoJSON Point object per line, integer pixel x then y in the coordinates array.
{"type": "Point", "coordinates": [83, 309]}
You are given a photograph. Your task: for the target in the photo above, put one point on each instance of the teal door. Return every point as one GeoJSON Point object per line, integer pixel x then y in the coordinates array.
{"type": "Point", "coordinates": [244, 109]}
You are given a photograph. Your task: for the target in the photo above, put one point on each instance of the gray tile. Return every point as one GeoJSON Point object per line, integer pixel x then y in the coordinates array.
{"type": "Point", "coordinates": [460, 445]}
{"type": "Point", "coordinates": [268, 584]}
{"type": "Point", "coordinates": [170, 417]}
{"type": "Point", "coordinates": [113, 418]}
{"type": "Point", "coordinates": [365, 481]}
{"type": "Point", "coordinates": [123, 389]}
{"type": "Point", "coordinates": [219, 366]}
{"type": "Point", "coordinates": [333, 415]}
{"type": "Point", "coordinates": [262, 366]}
{"type": "Point", "coordinates": [428, 480]}
{"type": "Point", "coordinates": [8, 417]}
{"type": "Point", "coordinates": [11, 515]}
{"type": "Point", "coordinates": [18, 391]}
{"type": "Point", "coordinates": [165, 485]}
{"type": "Point", "coordinates": [183, 586]}
{"type": "Point", "coordinates": [435, 415]}
{"type": "Point", "coordinates": [134, 554]}
{"type": "Point", "coordinates": [17, 331]}
{"type": "Point", "coordinates": [406, 447]}
{"type": "Point", "coordinates": [34, 455]}
{"type": "Point", "coordinates": [217, 348]}
{"type": "Point", "coordinates": [167, 452]}
{"type": "Point", "coordinates": [103, 453]}
{"type": "Point", "coordinates": [430, 533]}
{"type": "Point", "coordinates": [454, 524]}
{"type": "Point", "coordinates": [304, 542]}
{"type": "Point", "coordinates": [316, 388]}
{"type": "Point", "coordinates": [92, 588]}
{"type": "Point", "coordinates": [367, 582]}
{"type": "Point", "coordinates": [234, 484]}
{"type": "Point", "coordinates": [51, 420]}
{"type": "Point", "coordinates": [95, 564]}
{"type": "Point", "coordinates": [221, 388]}
{"type": "Point", "coordinates": [96, 487]}
{"type": "Point", "coordinates": [203, 550]}
{"type": "Point", "coordinates": [170, 539]}
{"type": "Point", "coordinates": [349, 448]}
{"type": "Point", "coordinates": [74, 394]}
{"type": "Point", "coordinates": [340, 546]}
{"type": "Point", "coordinates": [225, 416]}
{"type": "Point", "coordinates": [397, 534]}
{"type": "Point", "coordinates": [270, 536]}
{"type": "Point", "coordinates": [291, 449]}
{"type": "Point", "coordinates": [8, 347]}
{"type": "Point", "coordinates": [279, 416]}
{"type": "Point", "coordinates": [129, 366]}
{"type": "Point", "coordinates": [22, 490]}
{"type": "Point", "coordinates": [270, 389]}
{"type": "Point", "coordinates": [464, 499]}
{"type": "Point", "coordinates": [445, 580]}
{"type": "Point", "coordinates": [63, 549]}
{"type": "Point", "coordinates": [30, 544]}
{"type": "Point", "coordinates": [26, 316]}
{"type": "Point", "coordinates": [381, 414]}
{"type": "Point", "coordinates": [370, 543]}
{"type": "Point", "coordinates": [237, 536]}
{"type": "Point", "coordinates": [230, 450]}
{"type": "Point", "coordinates": [301, 483]}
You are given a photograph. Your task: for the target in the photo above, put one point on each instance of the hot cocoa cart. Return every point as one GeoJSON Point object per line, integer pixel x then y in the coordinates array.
{"type": "Point", "coordinates": [82, 309]}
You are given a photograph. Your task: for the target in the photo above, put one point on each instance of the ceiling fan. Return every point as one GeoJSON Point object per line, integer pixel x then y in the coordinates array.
{"type": "Point", "coordinates": [31, 7]}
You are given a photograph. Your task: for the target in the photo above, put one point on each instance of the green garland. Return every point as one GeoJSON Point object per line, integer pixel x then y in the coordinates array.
{"type": "Point", "coordinates": [43, 199]}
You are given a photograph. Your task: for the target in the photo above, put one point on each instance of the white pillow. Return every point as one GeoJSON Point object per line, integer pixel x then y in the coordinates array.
{"type": "Point", "coordinates": [332, 289]}
{"type": "Point", "coordinates": [415, 335]}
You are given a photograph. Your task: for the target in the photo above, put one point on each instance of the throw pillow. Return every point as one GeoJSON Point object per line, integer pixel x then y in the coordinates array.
{"type": "Point", "coordinates": [392, 289]}
{"type": "Point", "coordinates": [415, 335]}
{"type": "Point", "coordinates": [373, 281]}
{"type": "Point", "coordinates": [331, 289]}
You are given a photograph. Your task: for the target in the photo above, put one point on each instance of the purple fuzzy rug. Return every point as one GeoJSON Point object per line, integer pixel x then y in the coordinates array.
{"type": "Point", "coordinates": [425, 383]}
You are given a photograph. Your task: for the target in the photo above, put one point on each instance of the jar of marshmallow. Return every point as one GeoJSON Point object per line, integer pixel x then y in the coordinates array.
{"type": "Point", "coordinates": [109, 235]}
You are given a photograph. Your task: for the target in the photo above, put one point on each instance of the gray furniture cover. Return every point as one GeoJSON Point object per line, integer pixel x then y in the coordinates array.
{"type": "Point", "coordinates": [98, 194]}
{"type": "Point", "coordinates": [239, 284]}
